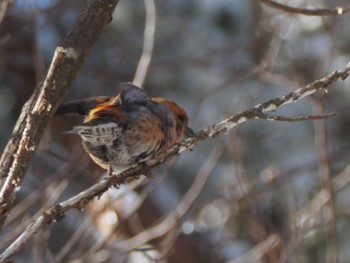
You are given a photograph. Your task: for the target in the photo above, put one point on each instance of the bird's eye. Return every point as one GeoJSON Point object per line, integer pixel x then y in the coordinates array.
{"type": "Point", "coordinates": [182, 118]}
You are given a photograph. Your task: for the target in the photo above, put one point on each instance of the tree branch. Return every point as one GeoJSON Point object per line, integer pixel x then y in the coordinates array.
{"type": "Point", "coordinates": [148, 43]}
{"type": "Point", "coordinates": [256, 253]}
{"type": "Point", "coordinates": [271, 117]}
{"type": "Point", "coordinates": [308, 12]}
{"type": "Point", "coordinates": [47, 96]}
{"type": "Point", "coordinates": [78, 201]}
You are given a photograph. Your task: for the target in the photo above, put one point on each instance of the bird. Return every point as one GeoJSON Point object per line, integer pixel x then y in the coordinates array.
{"type": "Point", "coordinates": [121, 131]}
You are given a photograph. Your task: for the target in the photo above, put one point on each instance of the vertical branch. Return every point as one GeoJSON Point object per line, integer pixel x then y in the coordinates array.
{"type": "Point", "coordinates": [148, 43]}
{"type": "Point", "coordinates": [325, 173]}
{"type": "Point", "coordinates": [4, 5]}
{"type": "Point", "coordinates": [46, 98]}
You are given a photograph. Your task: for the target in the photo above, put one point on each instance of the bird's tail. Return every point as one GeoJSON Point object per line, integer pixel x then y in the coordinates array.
{"type": "Point", "coordinates": [80, 107]}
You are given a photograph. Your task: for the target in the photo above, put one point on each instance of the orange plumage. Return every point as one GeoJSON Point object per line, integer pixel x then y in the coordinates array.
{"type": "Point", "coordinates": [129, 128]}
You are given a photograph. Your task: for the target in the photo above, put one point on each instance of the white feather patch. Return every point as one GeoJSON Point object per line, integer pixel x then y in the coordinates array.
{"type": "Point", "coordinates": [101, 134]}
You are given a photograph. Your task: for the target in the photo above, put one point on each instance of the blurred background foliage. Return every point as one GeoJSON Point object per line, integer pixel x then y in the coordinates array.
{"type": "Point", "coordinates": [215, 58]}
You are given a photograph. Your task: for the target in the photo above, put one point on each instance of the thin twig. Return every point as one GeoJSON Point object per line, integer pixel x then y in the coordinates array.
{"type": "Point", "coordinates": [148, 43]}
{"type": "Point", "coordinates": [179, 211]}
{"type": "Point", "coordinates": [271, 117]}
{"type": "Point", "coordinates": [258, 252]}
{"type": "Point", "coordinates": [325, 174]}
{"type": "Point", "coordinates": [310, 215]}
{"type": "Point", "coordinates": [4, 6]}
{"type": "Point", "coordinates": [273, 104]}
{"type": "Point", "coordinates": [308, 12]}
{"type": "Point", "coordinates": [131, 211]}
{"type": "Point", "coordinates": [84, 226]}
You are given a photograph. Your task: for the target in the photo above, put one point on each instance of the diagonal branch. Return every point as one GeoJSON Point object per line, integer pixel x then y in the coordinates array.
{"type": "Point", "coordinates": [256, 253]}
{"type": "Point", "coordinates": [46, 98]}
{"type": "Point", "coordinates": [57, 212]}
{"type": "Point", "coordinates": [273, 104]}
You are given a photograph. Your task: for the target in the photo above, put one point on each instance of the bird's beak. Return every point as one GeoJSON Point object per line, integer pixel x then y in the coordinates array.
{"type": "Point", "coordinates": [189, 132]}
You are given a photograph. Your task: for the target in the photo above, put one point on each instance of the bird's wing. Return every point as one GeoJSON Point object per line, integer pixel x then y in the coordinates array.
{"type": "Point", "coordinates": [98, 134]}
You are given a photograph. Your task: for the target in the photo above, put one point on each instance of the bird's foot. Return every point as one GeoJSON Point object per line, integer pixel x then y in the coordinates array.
{"type": "Point", "coordinates": [146, 171]}
{"type": "Point", "coordinates": [118, 178]}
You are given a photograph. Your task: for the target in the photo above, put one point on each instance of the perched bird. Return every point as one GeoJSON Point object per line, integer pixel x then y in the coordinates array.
{"type": "Point", "coordinates": [129, 128]}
